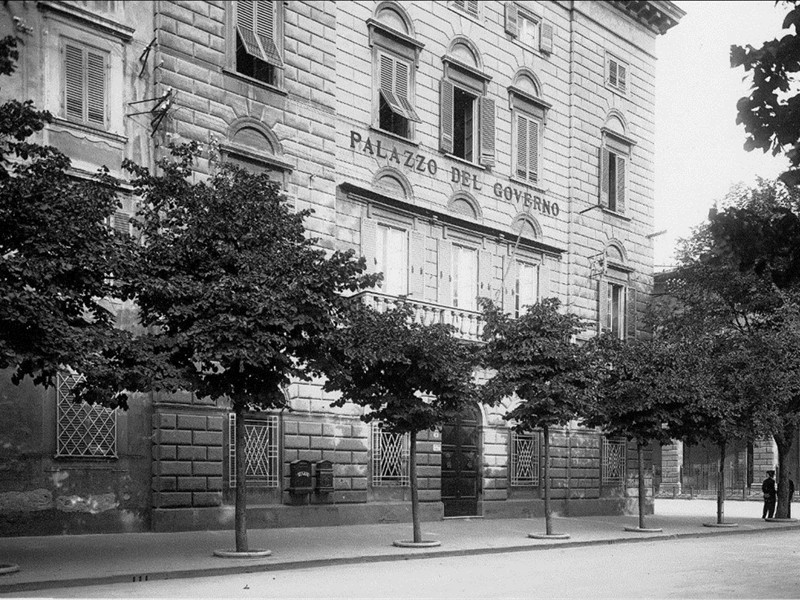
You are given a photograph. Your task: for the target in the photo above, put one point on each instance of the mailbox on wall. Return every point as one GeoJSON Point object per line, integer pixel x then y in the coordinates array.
{"type": "Point", "coordinates": [324, 476]}
{"type": "Point", "coordinates": [300, 481]}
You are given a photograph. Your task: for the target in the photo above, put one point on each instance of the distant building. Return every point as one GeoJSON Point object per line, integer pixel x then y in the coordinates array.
{"type": "Point", "coordinates": [500, 149]}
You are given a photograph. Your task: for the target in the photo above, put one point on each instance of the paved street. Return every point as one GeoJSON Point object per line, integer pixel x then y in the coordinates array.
{"type": "Point", "coordinates": [762, 565]}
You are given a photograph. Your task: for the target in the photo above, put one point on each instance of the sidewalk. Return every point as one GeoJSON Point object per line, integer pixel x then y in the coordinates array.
{"type": "Point", "coordinates": [61, 561]}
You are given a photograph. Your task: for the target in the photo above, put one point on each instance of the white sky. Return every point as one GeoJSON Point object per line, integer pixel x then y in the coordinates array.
{"type": "Point", "coordinates": [699, 152]}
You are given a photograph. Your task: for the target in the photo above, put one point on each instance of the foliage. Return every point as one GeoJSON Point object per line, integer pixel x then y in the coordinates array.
{"type": "Point", "coordinates": [411, 377]}
{"type": "Point", "coordinates": [235, 295]}
{"type": "Point", "coordinates": [534, 357]}
{"type": "Point", "coordinates": [59, 261]}
{"type": "Point", "coordinates": [771, 113]}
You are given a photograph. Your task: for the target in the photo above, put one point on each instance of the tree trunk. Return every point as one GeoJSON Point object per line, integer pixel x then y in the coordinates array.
{"type": "Point", "coordinates": [784, 441]}
{"type": "Point", "coordinates": [414, 491]}
{"type": "Point", "coordinates": [548, 526]}
{"type": "Point", "coordinates": [240, 515]}
{"type": "Point", "coordinates": [642, 492]}
{"type": "Point", "coordinates": [721, 486]}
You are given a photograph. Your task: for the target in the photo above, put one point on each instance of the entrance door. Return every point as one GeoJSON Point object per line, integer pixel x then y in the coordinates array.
{"type": "Point", "coordinates": [461, 464]}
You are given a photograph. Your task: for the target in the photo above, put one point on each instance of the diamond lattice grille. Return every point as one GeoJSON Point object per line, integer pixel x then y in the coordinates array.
{"type": "Point", "coordinates": [524, 459]}
{"type": "Point", "coordinates": [261, 452]}
{"type": "Point", "coordinates": [83, 430]}
{"type": "Point", "coordinates": [390, 453]}
{"type": "Point", "coordinates": [613, 461]}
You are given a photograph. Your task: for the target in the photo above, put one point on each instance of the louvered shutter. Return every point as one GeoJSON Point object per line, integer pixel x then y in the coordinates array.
{"type": "Point", "coordinates": [545, 289]}
{"type": "Point", "coordinates": [369, 233]}
{"type": "Point", "coordinates": [603, 302]}
{"type": "Point", "coordinates": [445, 273]}
{"type": "Point", "coordinates": [487, 131]}
{"type": "Point", "coordinates": [521, 168]}
{"type": "Point", "coordinates": [472, 7]}
{"type": "Point", "coordinates": [509, 284]}
{"type": "Point", "coordinates": [416, 258]}
{"type": "Point", "coordinates": [266, 31]}
{"type": "Point", "coordinates": [612, 72]}
{"type": "Point", "coordinates": [533, 151]}
{"type": "Point", "coordinates": [73, 82]}
{"type": "Point", "coordinates": [604, 162]}
{"type": "Point", "coordinates": [546, 34]}
{"type": "Point", "coordinates": [512, 24]}
{"type": "Point", "coordinates": [95, 88]}
{"type": "Point", "coordinates": [622, 78]}
{"type": "Point", "coordinates": [630, 317]}
{"type": "Point", "coordinates": [485, 274]}
{"type": "Point", "coordinates": [402, 85]}
{"type": "Point", "coordinates": [621, 168]}
{"type": "Point", "coordinates": [246, 28]}
{"type": "Point", "coordinates": [122, 222]}
{"type": "Point", "coordinates": [446, 116]}
{"type": "Point", "coordinates": [387, 81]}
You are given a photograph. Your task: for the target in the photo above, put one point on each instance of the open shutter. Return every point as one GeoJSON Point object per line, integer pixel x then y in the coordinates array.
{"type": "Point", "coordinates": [73, 82]}
{"type": "Point", "coordinates": [246, 28]}
{"type": "Point", "coordinates": [546, 35]}
{"type": "Point", "coordinates": [621, 167]}
{"type": "Point", "coordinates": [445, 273]}
{"type": "Point", "coordinates": [604, 160]}
{"type": "Point", "coordinates": [416, 259]}
{"type": "Point", "coordinates": [509, 284]}
{"type": "Point", "coordinates": [485, 274]}
{"type": "Point", "coordinates": [369, 233]}
{"type": "Point", "coordinates": [512, 24]}
{"type": "Point", "coordinates": [521, 168]}
{"type": "Point", "coordinates": [446, 116]}
{"type": "Point", "coordinates": [545, 289]}
{"type": "Point", "coordinates": [602, 306]}
{"type": "Point", "coordinates": [533, 150]}
{"type": "Point", "coordinates": [487, 131]}
{"type": "Point", "coordinates": [402, 84]}
{"type": "Point", "coordinates": [630, 316]}
{"type": "Point", "coordinates": [95, 88]}
{"type": "Point", "coordinates": [387, 81]}
{"type": "Point", "coordinates": [266, 31]}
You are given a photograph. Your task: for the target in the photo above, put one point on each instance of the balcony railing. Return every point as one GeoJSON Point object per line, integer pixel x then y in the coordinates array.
{"type": "Point", "coordinates": [467, 323]}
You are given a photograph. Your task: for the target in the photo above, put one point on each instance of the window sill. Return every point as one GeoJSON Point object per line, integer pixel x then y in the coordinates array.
{"type": "Point", "coordinates": [394, 136]}
{"type": "Point", "coordinates": [120, 139]}
{"type": "Point", "coordinates": [255, 82]}
{"type": "Point", "coordinates": [533, 185]}
{"type": "Point", "coordinates": [614, 213]}
{"type": "Point", "coordinates": [467, 162]}
{"type": "Point", "coordinates": [617, 91]}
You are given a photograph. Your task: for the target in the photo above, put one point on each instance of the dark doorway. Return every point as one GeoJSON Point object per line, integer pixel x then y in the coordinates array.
{"type": "Point", "coordinates": [461, 464]}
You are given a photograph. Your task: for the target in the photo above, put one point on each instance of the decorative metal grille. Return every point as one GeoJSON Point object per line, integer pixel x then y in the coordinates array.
{"type": "Point", "coordinates": [83, 430]}
{"type": "Point", "coordinates": [613, 461]}
{"type": "Point", "coordinates": [524, 459]}
{"type": "Point", "coordinates": [261, 451]}
{"type": "Point", "coordinates": [390, 454]}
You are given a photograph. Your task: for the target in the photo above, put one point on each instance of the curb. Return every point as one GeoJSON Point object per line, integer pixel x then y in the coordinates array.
{"type": "Point", "coordinates": [354, 560]}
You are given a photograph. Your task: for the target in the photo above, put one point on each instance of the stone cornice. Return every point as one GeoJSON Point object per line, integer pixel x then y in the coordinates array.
{"type": "Point", "coordinates": [657, 15]}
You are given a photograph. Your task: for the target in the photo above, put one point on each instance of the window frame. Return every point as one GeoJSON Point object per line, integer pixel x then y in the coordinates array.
{"type": "Point", "coordinates": [462, 7]}
{"type": "Point", "coordinates": [458, 248]}
{"type": "Point", "coordinates": [380, 267]}
{"type": "Point", "coordinates": [536, 266]}
{"type": "Point", "coordinates": [532, 462]}
{"type": "Point", "coordinates": [620, 278]}
{"type": "Point", "coordinates": [85, 49]}
{"type": "Point", "coordinates": [619, 148]}
{"type": "Point", "coordinates": [527, 15]}
{"type": "Point", "coordinates": [377, 477]}
{"type": "Point", "coordinates": [231, 46]}
{"type": "Point", "coordinates": [615, 85]}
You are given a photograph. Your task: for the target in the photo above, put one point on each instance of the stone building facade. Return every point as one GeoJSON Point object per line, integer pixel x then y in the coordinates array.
{"type": "Point", "coordinates": [466, 149]}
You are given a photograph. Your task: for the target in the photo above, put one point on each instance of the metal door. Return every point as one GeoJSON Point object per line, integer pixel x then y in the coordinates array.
{"type": "Point", "coordinates": [461, 464]}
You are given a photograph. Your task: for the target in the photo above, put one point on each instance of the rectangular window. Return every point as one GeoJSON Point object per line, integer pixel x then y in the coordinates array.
{"type": "Point", "coordinates": [84, 84]}
{"type": "Point", "coordinates": [464, 124]}
{"type": "Point", "coordinates": [526, 139]}
{"type": "Point", "coordinates": [471, 7]}
{"type": "Point", "coordinates": [259, 27]}
{"type": "Point", "coordinates": [395, 111]}
{"type": "Point", "coordinates": [528, 30]}
{"type": "Point", "coordinates": [616, 310]}
{"type": "Point", "coordinates": [465, 277]}
{"type": "Point", "coordinates": [84, 431]}
{"type": "Point", "coordinates": [261, 450]}
{"type": "Point", "coordinates": [527, 288]}
{"type": "Point", "coordinates": [390, 457]}
{"type": "Point", "coordinates": [613, 461]}
{"type": "Point", "coordinates": [524, 459]}
{"type": "Point", "coordinates": [392, 259]}
{"type": "Point", "coordinates": [613, 167]}
{"type": "Point", "coordinates": [617, 74]}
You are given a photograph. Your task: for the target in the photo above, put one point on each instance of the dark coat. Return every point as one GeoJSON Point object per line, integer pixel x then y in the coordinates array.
{"type": "Point", "coordinates": [768, 487]}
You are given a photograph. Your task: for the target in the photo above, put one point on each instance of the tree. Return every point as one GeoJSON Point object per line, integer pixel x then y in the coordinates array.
{"type": "Point", "coordinates": [638, 394]}
{"type": "Point", "coordinates": [234, 296]}
{"type": "Point", "coordinates": [771, 113]}
{"type": "Point", "coordinates": [535, 360]}
{"type": "Point", "coordinates": [411, 377]}
{"type": "Point", "coordinates": [60, 262]}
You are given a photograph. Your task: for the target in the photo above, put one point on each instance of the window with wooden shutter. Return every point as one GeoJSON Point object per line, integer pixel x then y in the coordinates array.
{"type": "Point", "coordinates": [84, 85]}
{"type": "Point", "coordinates": [487, 126]}
{"type": "Point", "coordinates": [546, 36]}
{"type": "Point", "coordinates": [394, 86]}
{"type": "Point", "coordinates": [527, 147]}
{"type": "Point", "coordinates": [258, 32]}
{"type": "Point", "coordinates": [471, 7]}
{"type": "Point", "coordinates": [617, 74]}
{"type": "Point", "coordinates": [446, 116]}
{"type": "Point", "coordinates": [511, 14]}
{"type": "Point", "coordinates": [613, 174]}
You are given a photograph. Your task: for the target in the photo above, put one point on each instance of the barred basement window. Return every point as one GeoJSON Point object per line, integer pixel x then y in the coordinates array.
{"type": "Point", "coordinates": [390, 455]}
{"type": "Point", "coordinates": [524, 459]}
{"type": "Point", "coordinates": [84, 431]}
{"type": "Point", "coordinates": [613, 461]}
{"type": "Point", "coordinates": [261, 451]}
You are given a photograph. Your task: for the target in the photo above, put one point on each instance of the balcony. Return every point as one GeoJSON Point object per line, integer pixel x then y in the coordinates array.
{"type": "Point", "coordinates": [467, 323]}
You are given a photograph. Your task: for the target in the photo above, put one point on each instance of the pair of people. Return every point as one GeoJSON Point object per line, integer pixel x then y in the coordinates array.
{"type": "Point", "coordinates": [771, 495]}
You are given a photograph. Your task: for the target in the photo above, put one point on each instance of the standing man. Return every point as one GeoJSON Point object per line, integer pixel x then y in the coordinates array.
{"type": "Point", "coordinates": [791, 493]}
{"type": "Point", "coordinates": [768, 487]}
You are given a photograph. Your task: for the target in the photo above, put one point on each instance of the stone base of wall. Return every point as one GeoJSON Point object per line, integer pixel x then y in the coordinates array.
{"type": "Point", "coordinates": [534, 509]}
{"type": "Point", "coordinates": [58, 522]}
{"type": "Point", "coordinates": [280, 516]}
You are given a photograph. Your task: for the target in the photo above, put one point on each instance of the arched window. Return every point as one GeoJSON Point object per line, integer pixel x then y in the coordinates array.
{"type": "Point", "coordinates": [615, 154]}
{"type": "Point", "coordinates": [528, 114]}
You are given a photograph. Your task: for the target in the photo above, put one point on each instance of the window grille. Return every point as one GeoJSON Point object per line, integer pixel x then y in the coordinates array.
{"type": "Point", "coordinates": [524, 459]}
{"type": "Point", "coordinates": [390, 454]}
{"type": "Point", "coordinates": [613, 461]}
{"type": "Point", "coordinates": [261, 451]}
{"type": "Point", "coordinates": [83, 430]}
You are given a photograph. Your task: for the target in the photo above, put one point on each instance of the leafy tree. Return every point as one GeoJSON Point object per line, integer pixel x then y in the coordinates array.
{"type": "Point", "coordinates": [639, 394]}
{"type": "Point", "coordinates": [411, 377]}
{"type": "Point", "coordinates": [60, 262]}
{"type": "Point", "coordinates": [234, 295]}
{"type": "Point", "coordinates": [536, 361]}
{"type": "Point", "coordinates": [771, 113]}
